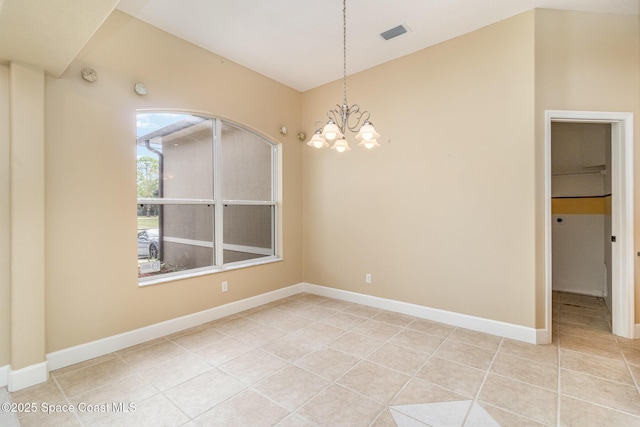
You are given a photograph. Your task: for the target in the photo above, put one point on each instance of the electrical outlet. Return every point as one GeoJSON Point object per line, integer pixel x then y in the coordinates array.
{"type": "Point", "coordinates": [225, 286]}
{"type": "Point", "coordinates": [367, 278]}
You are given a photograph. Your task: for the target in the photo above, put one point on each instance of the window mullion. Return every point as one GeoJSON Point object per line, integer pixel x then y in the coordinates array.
{"type": "Point", "coordinates": [249, 202]}
{"type": "Point", "coordinates": [274, 198]}
{"type": "Point", "coordinates": [169, 201]}
{"type": "Point", "coordinates": [218, 232]}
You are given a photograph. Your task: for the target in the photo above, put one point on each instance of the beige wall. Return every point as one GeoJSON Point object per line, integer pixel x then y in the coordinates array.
{"type": "Point", "coordinates": [27, 210]}
{"type": "Point", "coordinates": [5, 225]}
{"type": "Point", "coordinates": [586, 62]}
{"type": "Point", "coordinates": [442, 215]}
{"type": "Point", "coordinates": [92, 289]}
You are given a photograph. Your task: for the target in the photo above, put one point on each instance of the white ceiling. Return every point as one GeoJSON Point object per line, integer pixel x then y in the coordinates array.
{"type": "Point", "coordinates": [299, 42]}
{"type": "Point", "coordinates": [296, 42]}
{"type": "Point", "coordinates": [49, 34]}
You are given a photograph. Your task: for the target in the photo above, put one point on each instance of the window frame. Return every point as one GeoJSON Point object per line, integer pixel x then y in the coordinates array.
{"type": "Point", "coordinates": [218, 204]}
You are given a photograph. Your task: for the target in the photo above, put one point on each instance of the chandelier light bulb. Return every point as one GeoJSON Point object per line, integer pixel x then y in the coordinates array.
{"type": "Point", "coordinates": [317, 141]}
{"type": "Point", "coordinates": [367, 132]}
{"type": "Point", "coordinates": [341, 145]}
{"type": "Point", "coordinates": [331, 131]}
{"type": "Point", "coordinates": [373, 143]}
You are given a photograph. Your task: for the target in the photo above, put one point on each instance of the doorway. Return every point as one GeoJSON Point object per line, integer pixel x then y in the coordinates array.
{"type": "Point", "coordinates": [621, 186]}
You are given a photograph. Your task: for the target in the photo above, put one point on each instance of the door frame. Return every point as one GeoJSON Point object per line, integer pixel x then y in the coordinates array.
{"type": "Point", "coordinates": [622, 256]}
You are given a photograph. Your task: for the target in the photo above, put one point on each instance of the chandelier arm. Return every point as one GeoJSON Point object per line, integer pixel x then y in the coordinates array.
{"type": "Point", "coordinates": [334, 115]}
{"type": "Point", "coordinates": [360, 118]}
{"type": "Point", "coordinates": [338, 117]}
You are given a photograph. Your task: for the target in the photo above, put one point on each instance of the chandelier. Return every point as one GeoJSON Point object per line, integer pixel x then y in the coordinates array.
{"type": "Point", "coordinates": [345, 117]}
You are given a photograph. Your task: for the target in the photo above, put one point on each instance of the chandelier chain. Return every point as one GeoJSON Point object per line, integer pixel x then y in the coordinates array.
{"type": "Point", "coordinates": [344, 49]}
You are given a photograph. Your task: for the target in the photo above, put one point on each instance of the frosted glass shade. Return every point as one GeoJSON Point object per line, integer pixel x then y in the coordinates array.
{"type": "Point", "coordinates": [317, 141]}
{"type": "Point", "coordinates": [331, 131]}
{"type": "Point", "coordinates": [367, 132]}
{"type": "Point", "coordinates": [369, 144]}
{"type": "Point", "coordinates": [341, 145]}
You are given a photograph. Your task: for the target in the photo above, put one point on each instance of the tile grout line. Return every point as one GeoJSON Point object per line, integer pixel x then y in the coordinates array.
{"type": "Point", "coordinates": [247, 387]}
{"type": "Point", "coordinates": [603, 406]}
{"type": "Point", "coordinates": [321, 346]}
{"type": "Point", "coordinates": [159, 391]}
{"type": "Point", "coordinates": [362, 358]}
{"type": "Point", "coordinates": [162, 392]}
{"type": "Point", "coordinates": [484, 380]}
{"type": "Point", "coordinates": [324, 345]}
{"type": "Point", "coordinates": [385, 406]}
{"type": "Point", "coordinates": [624, 359]}
{"type": "Point", "coordinates": [250, 387]}
{"type": "Point", "coordinates": [559, 372]}
{"type": "Point", "coordinates": [413, 376]}
{"type": "Point", "coordinates": [628, 365]}
{"type": "Point", "coordinates": [601, 378]}
{"type": "Point", "coordinates": [15, 415]}
{"type": "Point", "coordinates": [116, 356]}
{"type": "Point", "coordinates": [68, 400]}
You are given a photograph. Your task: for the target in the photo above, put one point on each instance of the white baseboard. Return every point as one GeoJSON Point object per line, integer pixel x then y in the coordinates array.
{"type": "Point", "coordinates": [69, 356]}
{"type": "Point", "coordinates": [576, 290]}
{"type": "Point", "coordinates": [28, 376]}
{"type": "Point", "coordinates": [4, 375]}
{"type": "Point", "coordinates": [543, 336]}
{"type": "Point", "coordinates": [493, 327]}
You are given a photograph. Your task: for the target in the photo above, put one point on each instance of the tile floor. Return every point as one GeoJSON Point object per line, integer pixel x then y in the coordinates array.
{"type": "Point", "coordinates": [309, 360]}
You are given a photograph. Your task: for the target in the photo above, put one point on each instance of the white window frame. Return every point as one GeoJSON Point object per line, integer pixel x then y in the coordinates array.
{"type": "Point", "coordinates": [218, 204]}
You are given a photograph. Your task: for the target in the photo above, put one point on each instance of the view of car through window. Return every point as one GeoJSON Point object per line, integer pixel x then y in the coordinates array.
{"type": "Point", "coordinates": [149, 182]}
{"type": "Point", "coordinates": [148, 245]}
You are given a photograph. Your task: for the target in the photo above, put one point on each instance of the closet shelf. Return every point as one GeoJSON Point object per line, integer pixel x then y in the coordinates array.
{"type": "Point", "coordinates": [595, 170]}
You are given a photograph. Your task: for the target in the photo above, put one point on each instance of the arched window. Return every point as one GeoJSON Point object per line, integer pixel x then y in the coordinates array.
{"type": "Point", "coordinates": [206, 196]}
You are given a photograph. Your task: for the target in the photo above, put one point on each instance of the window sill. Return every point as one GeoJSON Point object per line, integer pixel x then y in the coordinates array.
{"type": "Point", "coordinates": [181, 276]}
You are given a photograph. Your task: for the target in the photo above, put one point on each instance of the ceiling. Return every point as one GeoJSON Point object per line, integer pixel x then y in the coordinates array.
{"type": "Point", "coordinates": [296, 42]}
{"type": "Point", "coordinates": [299, 42]}
{"type": "Point", "coordinates": [49, 34]}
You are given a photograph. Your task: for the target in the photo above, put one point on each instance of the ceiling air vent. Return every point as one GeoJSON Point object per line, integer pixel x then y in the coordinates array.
{"type": "Point", "coordinates": [394, 32]}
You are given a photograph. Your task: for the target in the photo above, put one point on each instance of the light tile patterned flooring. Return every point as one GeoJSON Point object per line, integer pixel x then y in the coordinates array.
{"type": "Point", "coordinates": [308, 360]}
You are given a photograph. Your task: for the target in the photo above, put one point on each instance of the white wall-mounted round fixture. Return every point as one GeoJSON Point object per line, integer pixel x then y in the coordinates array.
{"type": "Point", "coordinates": [140, 88]}
{"type": "Point", "coordinates": [89, 74]}
{"type": "Point", "coordinates": [284, 130]}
